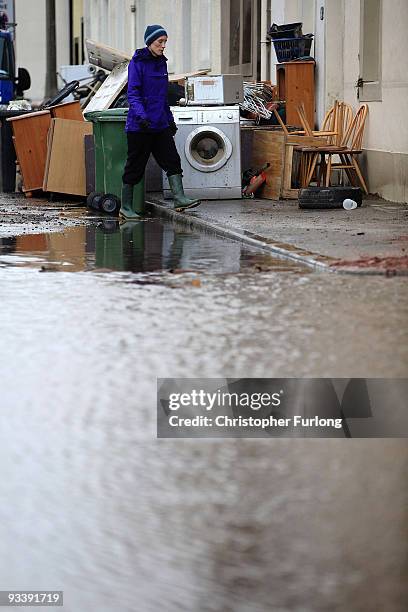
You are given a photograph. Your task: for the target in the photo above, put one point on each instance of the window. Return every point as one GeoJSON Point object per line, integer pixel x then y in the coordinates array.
{"type": "Point", "coordinates": [240, 17]}
{"type": "Point", "coordinates": [369, 83]}
{"type": "Point", "coordinates": [235, 33]}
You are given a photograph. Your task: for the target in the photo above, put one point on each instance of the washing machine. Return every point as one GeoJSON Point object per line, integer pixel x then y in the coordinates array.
{"type": "Point", "coordinates": [208, 142]}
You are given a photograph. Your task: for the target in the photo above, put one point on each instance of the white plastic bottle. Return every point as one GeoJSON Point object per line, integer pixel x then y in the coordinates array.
{"type": "Point", "coordinates": [349, 204]}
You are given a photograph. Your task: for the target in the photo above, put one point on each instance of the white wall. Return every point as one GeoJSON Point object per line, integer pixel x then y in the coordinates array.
{"type": "Point", "coordinates": [193, 27]}
{"type": "Point", "coordinates": [387, 127]}
{"type": "Point", "coordinates": [31, 44]}
{"type": "Point", "coordinates": [300, 10]}
{"type": "Point", "coordinates": [335, 45]}
{"type": "Point", "coordinates": [320, 57]}
{"type": "Point", "coordinates": [386, 134]}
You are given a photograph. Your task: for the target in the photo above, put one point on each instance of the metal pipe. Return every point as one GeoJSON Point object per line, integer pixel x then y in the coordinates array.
{"type": "Point", "coordinates": [51, 45]}
{"type": "Point", "coordinates": [133, 27]}
{"type": "Point", "coordinates": [265, 44]}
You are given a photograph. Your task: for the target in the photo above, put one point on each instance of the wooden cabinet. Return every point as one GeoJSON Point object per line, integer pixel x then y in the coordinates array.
{"type": "Point", "coordinates": [67, 110]}
{"type": "Point", "coordinates": [30, 141]}
{"type": "Point", "coordinates": [296, 84]}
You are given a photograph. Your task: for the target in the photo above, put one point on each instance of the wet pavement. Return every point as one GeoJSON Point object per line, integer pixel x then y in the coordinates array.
{"type": "Point", "coordinates": [94, 504]}
{"type": "Point", "coordinates": [373, 237]}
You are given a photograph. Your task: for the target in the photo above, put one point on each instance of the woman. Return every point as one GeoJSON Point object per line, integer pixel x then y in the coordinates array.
{"type": "Point", "coordinates": [150, 126]}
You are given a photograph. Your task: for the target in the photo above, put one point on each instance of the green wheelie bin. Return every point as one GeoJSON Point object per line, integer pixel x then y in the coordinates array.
{"type": "Point", "coordinates": [110, 158]}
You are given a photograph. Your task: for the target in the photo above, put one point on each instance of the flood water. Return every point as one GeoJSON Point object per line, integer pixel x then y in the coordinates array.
{"type": "Point", "coordinates": [151, 245]}
{"type": "Point", "coordinates": [93, 504]}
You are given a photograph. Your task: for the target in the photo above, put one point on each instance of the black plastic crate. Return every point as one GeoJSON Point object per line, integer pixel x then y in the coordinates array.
{"type": "Point", "coordinates": [288, 49]}
{"type": "Point", "coordinates": [287, 30]}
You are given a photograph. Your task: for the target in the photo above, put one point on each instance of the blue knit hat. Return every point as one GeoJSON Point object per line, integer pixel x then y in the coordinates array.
{"type": "Point", "coordinates": [152, 33]}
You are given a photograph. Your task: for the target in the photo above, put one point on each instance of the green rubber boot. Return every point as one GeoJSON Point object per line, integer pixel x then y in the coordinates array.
{"type": "Point", "coordinates": [181, 201]}
{"type": "Point", "coordinates": [132, 205]}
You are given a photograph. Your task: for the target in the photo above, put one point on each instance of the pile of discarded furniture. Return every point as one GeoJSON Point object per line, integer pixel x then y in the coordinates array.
{"type": "Point", "coordinates": [298, 155]}
{"type": "Point", "coordinates": [51, 144]}
{"type": "Point", "coordinates": [50, 151]}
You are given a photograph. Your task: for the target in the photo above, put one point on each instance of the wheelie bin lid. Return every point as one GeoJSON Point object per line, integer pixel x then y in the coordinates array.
{"type": "Point", "coordinates": [111, 114]}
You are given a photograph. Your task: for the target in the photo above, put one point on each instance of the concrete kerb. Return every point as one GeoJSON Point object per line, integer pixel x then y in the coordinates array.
{"type": "Point", "coordinates": [286, 251]}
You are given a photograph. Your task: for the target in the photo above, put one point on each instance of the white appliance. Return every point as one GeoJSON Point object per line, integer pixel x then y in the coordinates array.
{"type": "Point", "coordinates": [208, 142]}
{"type": "Point", "coordinates": [214, 89]}
{"type": "Point", "coordinates": [84, 73]}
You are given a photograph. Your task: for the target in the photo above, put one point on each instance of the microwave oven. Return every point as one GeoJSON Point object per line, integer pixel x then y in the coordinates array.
{"type": "Point", "coordinates": [214, 89]}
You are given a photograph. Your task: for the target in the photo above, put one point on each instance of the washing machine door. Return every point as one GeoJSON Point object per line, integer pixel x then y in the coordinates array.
{"type": "Point", "coordinates": [207, 148]}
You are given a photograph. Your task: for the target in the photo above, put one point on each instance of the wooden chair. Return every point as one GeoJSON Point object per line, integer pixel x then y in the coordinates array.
{"type": "Point", "coordinates": [335, 132]}
{"type": "Point", "coordinates": [309, 155]}
{"type": "Point", "coordinates": [338, 121]}
{"type": "Point", "coordinates": [335, 123]}
{"type": "Point", "coordinates": [348, 152]}
{"type": "Point", "coordinates": [337, 126]}
{"type": "Point", "coordinates": [307, 161]}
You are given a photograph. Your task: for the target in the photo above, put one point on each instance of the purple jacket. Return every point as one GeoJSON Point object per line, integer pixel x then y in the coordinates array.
{"type": "Point", "coordinates": [147, 92]}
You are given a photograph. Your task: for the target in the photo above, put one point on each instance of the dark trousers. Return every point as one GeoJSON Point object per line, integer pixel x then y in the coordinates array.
{"type": "Point", "coordinates": [141, 145]}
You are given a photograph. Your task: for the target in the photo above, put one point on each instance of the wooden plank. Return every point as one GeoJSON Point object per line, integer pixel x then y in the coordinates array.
{"type": "Point", "coordinates": [47, 161]}
{"type": "Point", "coordinates": [268, 146]}
{"type": "Point", "coordinates": [306, 141]}
{"type": "Point", "coordinates": [30, 141]}
{"type": "Point", "coordinates": [62, 177]}
{"type": "Point", "coordinates": [180, 78]}
{"type": "Point", "coordinates": [67, 110]}
{"type": "Point", "coordinates": [287, 172]}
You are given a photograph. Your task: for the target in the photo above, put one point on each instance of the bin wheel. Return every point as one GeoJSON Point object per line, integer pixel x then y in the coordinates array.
{"type": "Point", "coordinates": [110, 204]}
{"type": "Point", "coordinates": [94, 200]}
{"type": "Point", "coordinates": [328, 197]}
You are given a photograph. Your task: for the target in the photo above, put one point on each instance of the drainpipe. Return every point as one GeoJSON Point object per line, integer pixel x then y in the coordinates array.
{"type": "Point", "coordinates": [265, 44]}
{"type": "Point", "coordinates": [133, 26]}
{"type": "Point", "coordinates": [51, 46]}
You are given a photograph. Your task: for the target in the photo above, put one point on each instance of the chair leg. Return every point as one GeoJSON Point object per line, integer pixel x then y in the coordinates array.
{"type": "Point", "coordinates": [304, 168]}
{"type": "Point", "coordinates": [322, 170]}
{"type": "Point", "coordinates": [358, 172]}
{"type": "Point", "coordinates": [307, 169]}
{"type": "Point", "coordinates": [300, 173]}
{"type": "Point", "coordinates": [346, 162]}
{"type": "Point", "coordinates": [328, 170]}
{"type": "Point", "coordinates": [312, 167]}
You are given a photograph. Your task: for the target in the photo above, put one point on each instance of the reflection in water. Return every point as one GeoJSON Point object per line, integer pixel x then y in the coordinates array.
{"type": "Point", "coordinates": [149, 245]}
